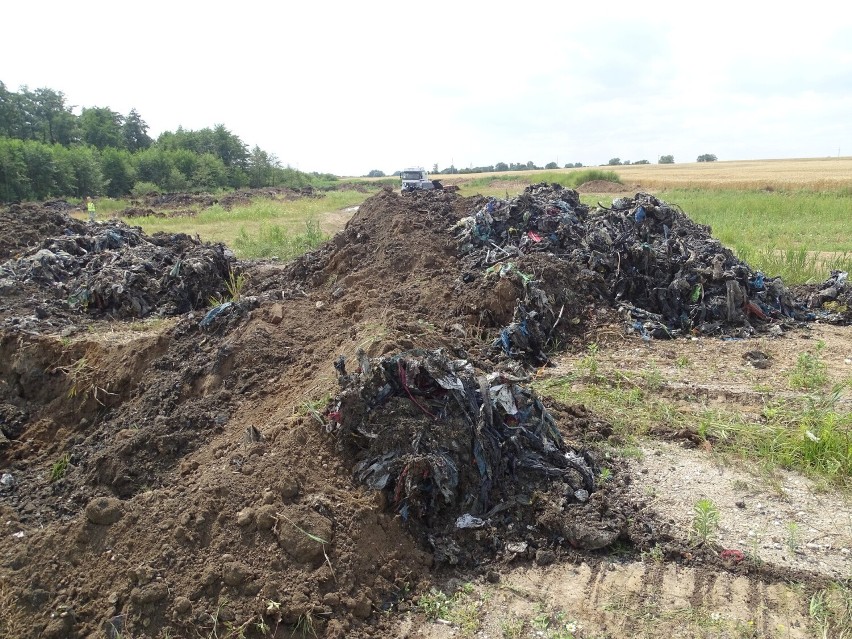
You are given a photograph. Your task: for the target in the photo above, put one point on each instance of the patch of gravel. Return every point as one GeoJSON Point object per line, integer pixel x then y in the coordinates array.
{"type": "Point", "coordinates": [786, 519]}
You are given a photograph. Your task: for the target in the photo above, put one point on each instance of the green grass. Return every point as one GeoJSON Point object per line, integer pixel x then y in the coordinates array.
{"type": "Point", "coordinates": [462, 610]}
{"type": "Point", "coordinates": [60, 467]}
{"type": "Point", "coordinates": [278, 242]}
{"type": "Point", "coordinates": [810, 433]}
{"type": "Point", "coordinates": [810, 372]}
{"type": "Point", "coordinates": [830, 610]}
{"type": "Point", "coordinates": [261, 229]}
{"type": "Point", "coordinates": [799, 235]}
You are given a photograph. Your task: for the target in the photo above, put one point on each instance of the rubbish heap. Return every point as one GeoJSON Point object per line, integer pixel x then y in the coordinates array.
{"type": "Point", "coordinates": [667, 274]}
{"type": "Point", "coordinates": [453, 451]}
{"type": "Point", "coordinates": [113, 269]}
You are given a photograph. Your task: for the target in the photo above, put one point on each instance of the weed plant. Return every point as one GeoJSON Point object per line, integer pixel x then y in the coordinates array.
{"type": "Point", "coordinates": [276, 242]}
{"type": "Point", "coordinates": [810, 372]}
{"type": "Point", "coordinates": [830, 610]}
{"type": "Point", "coordinates": [461, 610]}
{"type": "Point", "coordinates": [705, 520]}
{"type": "Point", "coordinates": [60, 467]}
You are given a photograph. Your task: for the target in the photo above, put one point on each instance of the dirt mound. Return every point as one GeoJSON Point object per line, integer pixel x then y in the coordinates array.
{"type": "Point", "coordinates": [182, 480]}
{"type": "Point", "coordinates": [602, 186]}
{"type": "Point", "coordinates": [26, 225]}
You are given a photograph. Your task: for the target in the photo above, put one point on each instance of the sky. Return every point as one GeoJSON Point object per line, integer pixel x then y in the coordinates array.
{"type": "Point", "coordinates": [348, 87]}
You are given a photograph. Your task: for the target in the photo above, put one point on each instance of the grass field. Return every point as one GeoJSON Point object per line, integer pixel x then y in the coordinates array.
{"type": "Point", "coordinates": [785, 217]}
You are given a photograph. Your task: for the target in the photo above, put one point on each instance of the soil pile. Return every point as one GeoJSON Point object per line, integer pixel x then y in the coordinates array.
{"type": "Point", "coordinates": [182, 480]}
{"type": "Point", "coordinates": [175, 480]}
{"type": "Point", "coordinates": [26, 225]}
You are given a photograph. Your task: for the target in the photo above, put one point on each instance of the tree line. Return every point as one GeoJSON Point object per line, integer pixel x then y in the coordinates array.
{"type": "Point", "coordinates": [46, 151]}
{"type": "Point", "coordinates": [531, 166]}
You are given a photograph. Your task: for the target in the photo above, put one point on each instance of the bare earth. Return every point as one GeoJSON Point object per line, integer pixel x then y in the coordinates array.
{"type": "Point", "coordinates": [199, 474]}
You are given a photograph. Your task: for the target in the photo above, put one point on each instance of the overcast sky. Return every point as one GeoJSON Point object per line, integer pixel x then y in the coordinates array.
{"type": "Point", "coordinates": [346, 87]}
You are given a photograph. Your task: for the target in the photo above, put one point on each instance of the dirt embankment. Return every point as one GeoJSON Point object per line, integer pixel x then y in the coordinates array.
{"type": "Point", "coordinates": [182, 476]}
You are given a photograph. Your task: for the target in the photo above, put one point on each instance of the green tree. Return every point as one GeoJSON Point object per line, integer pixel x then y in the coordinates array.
{"type": "Point", "coordinates": [135, 132]}
{"type": "Point", "coordinates": [614, 162]}
{"type": "Point", "coordinates": [14, 182]}
{"type": "Point", "coordinates": [118, 171]}
{"type": "Point", "coordinates": [102, 127]}
{"type": "Point", "coordinates": [379, 174]}
{"type": "Point", "coordinates": [501, 166]}
{"type": "Point", "coordinates": [210, 172]}
{"type": "Point", "coordinates": [230, 148]}
{"type": "Point", "coordinates": [64, 176]}
{"type": "Point", "coordinates": [551, 165]}
{"type": "Point", "coordinates": [40, 169]}
{"type": "Point", "coordinates": [53, 121]}
{"type": "Point", "coordinates": [153, 165]}
{"type": "Point", "coordinates": [707, 157]}
{"type": "Point", "coordinates": [260, 167]}
{"type": "Point", "coordinates": [88, 179]}
{"type": "Point", "coordinates": [666, 159]}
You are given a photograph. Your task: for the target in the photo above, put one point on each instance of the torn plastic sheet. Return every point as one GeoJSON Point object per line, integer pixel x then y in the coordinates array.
{"type": "Point", "coordinates": [469, 521]}
{"type": "Point", "coordinates": [443, 438]}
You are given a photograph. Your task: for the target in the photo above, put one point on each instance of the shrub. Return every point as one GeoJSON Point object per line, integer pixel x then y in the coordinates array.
{"type": "Point", "coordinates": [141, 189]}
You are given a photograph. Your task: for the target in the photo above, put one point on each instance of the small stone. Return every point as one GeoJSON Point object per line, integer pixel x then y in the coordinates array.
{"type": "Point", "coordinates": [182, 605]}
{"type": "Point", "coordinates": [276, 314]}
{"type": "Point", "coordinates": [740, 504]}
{"type": "Point", "coordinates": [234, 573]}
{"type": "Point", "coordinates": [288, 488]}
{"type": "Point", "coordinates": [545, 557]}
{"type": "Point", "coordinates": [245, 517]}
{"type": "Point", "coordinates": [150, 594]}
{"type": "Point", "coordinates": [104, 511]}
{"type": "Point", "coordinates": [266, 517]}
{"type": "Point", "coordinates": [492, 577]}
{"type": "Point", "coordinates": [319, 305]}
{"type": "Point", "coordinates": [292, 537]}
{"type": "Point", "coordinates": [362, 608]}
{"type": "Point", "coordinates": [331, 599]}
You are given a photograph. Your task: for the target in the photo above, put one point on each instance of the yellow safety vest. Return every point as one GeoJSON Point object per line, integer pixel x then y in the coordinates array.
{"type": "Point", "coordinates": [91, 207]}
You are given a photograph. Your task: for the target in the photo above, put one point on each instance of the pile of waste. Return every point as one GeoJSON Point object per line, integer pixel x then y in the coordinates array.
{"type": "Point", "coordinates": [110, 268]}
{"type": "Point", "coordinates": [667, 274]}
{"type": "Point", "coordinates": [832, 299]}
{"type": "Point", "coordinates": [454, 451]}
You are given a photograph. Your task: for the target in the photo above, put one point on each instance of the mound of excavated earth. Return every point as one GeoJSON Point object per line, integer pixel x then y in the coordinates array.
{"type": "Point", "coordinates": [304, 458]}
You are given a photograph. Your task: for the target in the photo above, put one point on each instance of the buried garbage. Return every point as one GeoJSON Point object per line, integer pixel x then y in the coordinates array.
{"type": "Point", "coordinates": [468, 457]}
{"type": "Point", "coordinates": [113, 269]}
{"type": "Point", "coordinates": [666, 273]}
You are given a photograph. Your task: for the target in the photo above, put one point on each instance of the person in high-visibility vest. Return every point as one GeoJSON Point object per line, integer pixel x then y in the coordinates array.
{"type": "Point", "coordinates": [90, 206]}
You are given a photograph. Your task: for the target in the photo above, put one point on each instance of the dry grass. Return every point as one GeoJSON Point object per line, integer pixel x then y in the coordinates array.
{"type": "Point", "coordinates": [13, 622]}
{"type": "Point", "coordinates": [812, 174]}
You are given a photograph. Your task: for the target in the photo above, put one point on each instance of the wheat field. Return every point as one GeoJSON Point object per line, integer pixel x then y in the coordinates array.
{"type": "Point", "coordinates": [811, 174]}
